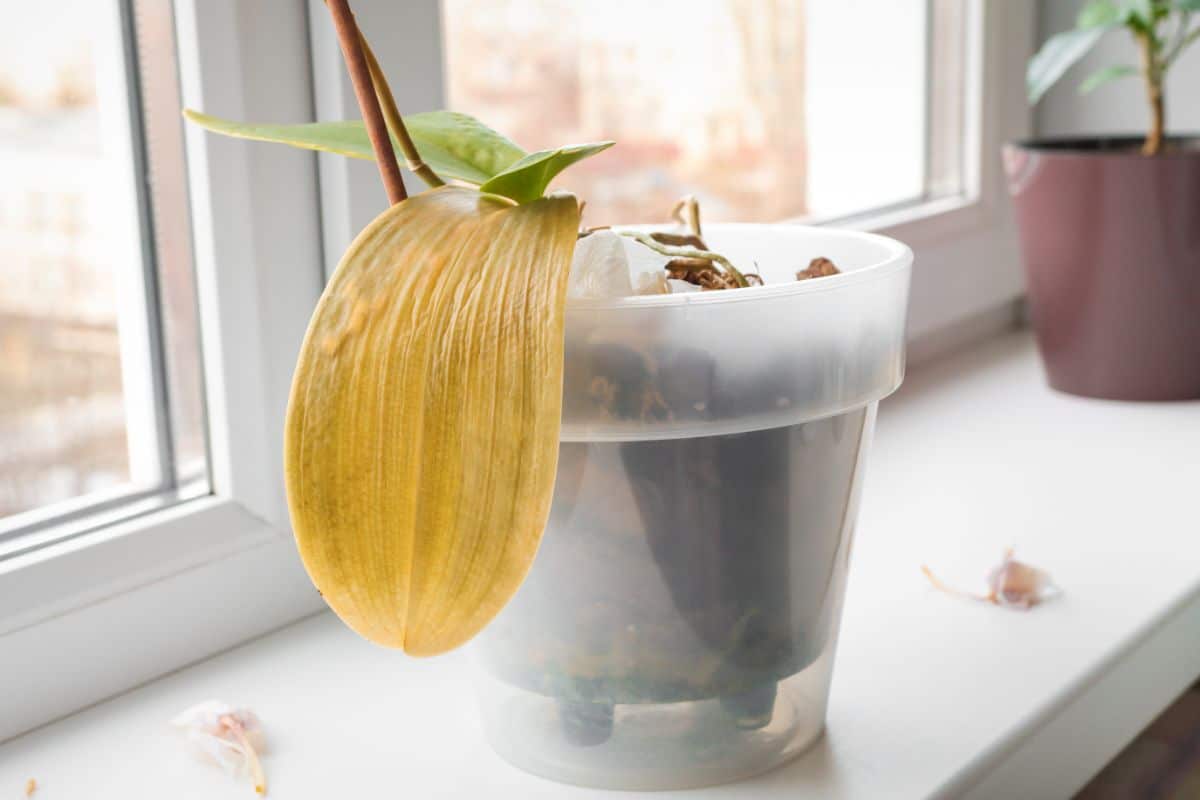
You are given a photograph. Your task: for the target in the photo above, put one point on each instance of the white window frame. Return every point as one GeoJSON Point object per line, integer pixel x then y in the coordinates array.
{"type": "Point", "coordinates": [94, 615]}
{"type": "Point", "coordinates": [967, 266]}
{"type": "Point", "coordinates": [86, 618]}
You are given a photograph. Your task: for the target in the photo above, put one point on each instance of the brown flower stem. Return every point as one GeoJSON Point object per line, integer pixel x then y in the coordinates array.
{"type": "Point", "coordinates": [395, 122]}
{"type": "Point", "coordinates": [360, 75]}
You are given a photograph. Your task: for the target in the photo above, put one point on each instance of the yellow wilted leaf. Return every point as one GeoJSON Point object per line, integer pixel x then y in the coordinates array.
{"type": "Point", "coordinates": [422, 432]}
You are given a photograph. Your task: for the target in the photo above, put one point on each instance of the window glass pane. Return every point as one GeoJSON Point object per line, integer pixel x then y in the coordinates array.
{"type": "Point", "coordinates": [100, 396]}
{"type": "Point", "coordinates": [765, 109]}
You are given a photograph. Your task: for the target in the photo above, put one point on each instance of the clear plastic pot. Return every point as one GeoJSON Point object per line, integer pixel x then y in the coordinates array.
{"type": "Point", "coordinates": [677, 628]}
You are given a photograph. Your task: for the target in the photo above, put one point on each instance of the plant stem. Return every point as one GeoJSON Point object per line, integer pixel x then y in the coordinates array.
{"type": "Point", "coordinates": [395, 122]}
{"type": "Point", "coordinates": [360, 75]}
{"type": "Point", "coordinates": [1179, 41]}
{"type": "Point", "coordinates": [1154, 141]}
{"type": "Point", "coordinates": [1184, 43]}
{"type": "Point", "coordinates": [1152, 74]}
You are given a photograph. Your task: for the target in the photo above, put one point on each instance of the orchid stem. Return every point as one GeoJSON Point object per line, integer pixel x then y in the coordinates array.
{"type": "Point", "coordinates": [395, 122]}
{"type": "Point", "coordinates": [350, 41]}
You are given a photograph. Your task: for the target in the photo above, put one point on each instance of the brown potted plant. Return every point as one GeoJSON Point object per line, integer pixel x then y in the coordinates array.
{"type": "Point", "coordinates": [1110, 226]}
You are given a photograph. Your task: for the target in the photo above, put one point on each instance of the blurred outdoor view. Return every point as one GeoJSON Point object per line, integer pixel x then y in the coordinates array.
{"type": "Point", "coordinates": [77, 399]}
{"type": "Point", "coordinates": [765, 109]}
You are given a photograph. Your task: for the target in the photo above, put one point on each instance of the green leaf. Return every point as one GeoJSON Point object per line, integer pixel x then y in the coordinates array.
{"type": "Point", "coordinates": [1106, 75]}
{"type": "Point", "coordinates": [1100, 14]}
{"type": "Point", "coordinates": [1143, 8]}
{"type": "Point", "coordinates": [1140, 13]}
{"type": "Point", "coordinates": [527, 179]}
{"type": "Point", "coordinates": [477, 152]}
{"type": "Point", "coordinates": [456, 146]}
{"type": "Point", "coordinates": [1187, 5]}
{"type": "Point", "coordinates": [1057, 56]}
{"type": "Point", "coordinates": [344, 138]}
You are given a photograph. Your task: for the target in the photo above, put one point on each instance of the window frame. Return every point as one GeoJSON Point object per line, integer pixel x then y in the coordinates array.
{"type": "Point", "coordinates": [90, 616]}
{"type": "Point", "coordinates": [86, 618]}
{"type": "Point", "coordinates": [967, 264]}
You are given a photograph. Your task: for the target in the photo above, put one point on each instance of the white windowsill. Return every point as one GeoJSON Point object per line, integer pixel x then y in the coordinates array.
{"type": "Point", "coordinates": [932, 696]}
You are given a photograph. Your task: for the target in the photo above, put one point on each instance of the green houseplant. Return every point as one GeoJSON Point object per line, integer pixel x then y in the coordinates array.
{"type": "Point", "coordinates": [1162, 29]}
{"type": "Point", "coordinates": [1106, 223]}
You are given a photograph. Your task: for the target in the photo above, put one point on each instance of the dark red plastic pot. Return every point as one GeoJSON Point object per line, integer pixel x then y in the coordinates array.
{"type": "Point", "coordinates": [1111, 244]}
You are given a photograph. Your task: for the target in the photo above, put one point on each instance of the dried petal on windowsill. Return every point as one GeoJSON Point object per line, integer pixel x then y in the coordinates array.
{"type": "Point", "coordinates": [1012, 584]}
{"type": "Point", "coordinates": [230, 737]}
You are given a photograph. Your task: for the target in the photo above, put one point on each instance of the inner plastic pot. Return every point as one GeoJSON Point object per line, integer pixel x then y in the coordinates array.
{"type": "Point", "coordinates": [677, 627]}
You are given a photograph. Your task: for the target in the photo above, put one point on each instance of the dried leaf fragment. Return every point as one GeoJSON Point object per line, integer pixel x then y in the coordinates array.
{"type": "Point", "coordinates": [1012, 584]}
{"type": "Point", "coordinates": [820, 267]}
{"type": "Point", "coordinates": [698, 272]}
{"type": "Point", "coordinates": [229, 737]}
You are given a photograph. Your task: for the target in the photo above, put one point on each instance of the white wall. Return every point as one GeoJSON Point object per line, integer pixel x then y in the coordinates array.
{"type": "Point", "coordinates": [1119, 107]}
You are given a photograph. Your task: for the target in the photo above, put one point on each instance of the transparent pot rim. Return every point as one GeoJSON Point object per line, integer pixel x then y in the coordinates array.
{"type": "Point", "coordinates": [896, 256]}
